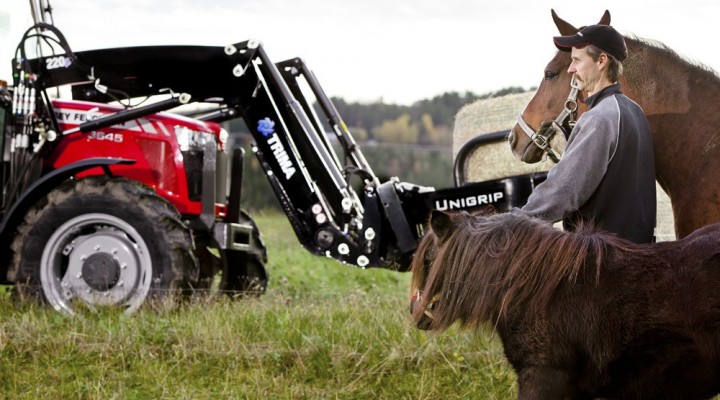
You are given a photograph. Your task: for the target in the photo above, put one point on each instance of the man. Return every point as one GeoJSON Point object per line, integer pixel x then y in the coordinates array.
{"type": "Point", "coordinates": [607, 174]}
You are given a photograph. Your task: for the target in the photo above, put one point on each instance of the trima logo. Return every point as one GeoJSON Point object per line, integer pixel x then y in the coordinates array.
{"type": "Point", "coordinates": [266, 127]}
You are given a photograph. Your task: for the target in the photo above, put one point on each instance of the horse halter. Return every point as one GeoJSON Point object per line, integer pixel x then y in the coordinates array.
{"type": "Point", "coordinates": [549, 128]}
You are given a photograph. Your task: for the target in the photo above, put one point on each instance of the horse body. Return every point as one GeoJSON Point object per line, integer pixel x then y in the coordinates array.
{"type": "Point", "coordinates": [581, 314]}
{"type": "Point", "coordinates": [679, 99]}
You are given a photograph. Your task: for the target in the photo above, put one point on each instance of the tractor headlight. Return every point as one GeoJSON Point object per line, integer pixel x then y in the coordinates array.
{"type": "Point", "coordinates": [189, 139]}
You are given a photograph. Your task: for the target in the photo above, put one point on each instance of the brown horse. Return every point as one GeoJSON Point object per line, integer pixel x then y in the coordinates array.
{"type": "Point", "coordinates": [581, 314]}
{"type": "Point", "coordinates": [680, 100]}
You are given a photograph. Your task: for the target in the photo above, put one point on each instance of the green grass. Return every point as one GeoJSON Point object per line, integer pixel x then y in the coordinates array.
{"type": "Point", "coordinates": [323, 331]}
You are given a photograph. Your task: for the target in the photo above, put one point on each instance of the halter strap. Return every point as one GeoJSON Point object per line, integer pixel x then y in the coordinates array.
{"type": "Point", "coordinates": [542, 137]}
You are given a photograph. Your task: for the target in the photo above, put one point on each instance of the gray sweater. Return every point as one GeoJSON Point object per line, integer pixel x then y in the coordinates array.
{"type": "Point", "coordinates": [607, 174]}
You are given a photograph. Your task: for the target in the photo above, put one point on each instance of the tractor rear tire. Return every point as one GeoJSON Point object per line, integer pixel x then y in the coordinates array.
{"type": "Point", "coordinates": [102, 242]}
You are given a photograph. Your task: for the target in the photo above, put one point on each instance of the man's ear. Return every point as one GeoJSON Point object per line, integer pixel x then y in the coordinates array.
{"type": "Point", "coordinates": [603, 60]}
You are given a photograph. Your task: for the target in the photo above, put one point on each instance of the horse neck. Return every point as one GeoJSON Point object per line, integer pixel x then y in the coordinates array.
{"type": "Point", "coordinates": [675, 96]}
{"type": "Point", "coordinates": [657, 79]}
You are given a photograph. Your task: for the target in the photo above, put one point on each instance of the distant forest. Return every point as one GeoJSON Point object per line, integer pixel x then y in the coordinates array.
{"type": "Point", "coordinates": [425, 122]}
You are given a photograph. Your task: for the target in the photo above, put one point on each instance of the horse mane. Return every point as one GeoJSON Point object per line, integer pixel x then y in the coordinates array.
{"type": "Point", "coordinates": [706, 72]}
{"type": "Point", "coordinates": [489, 265]}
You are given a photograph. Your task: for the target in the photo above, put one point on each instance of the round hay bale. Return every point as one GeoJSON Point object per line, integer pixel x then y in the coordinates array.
{"type": "Point", "coordinates": [494, 160]}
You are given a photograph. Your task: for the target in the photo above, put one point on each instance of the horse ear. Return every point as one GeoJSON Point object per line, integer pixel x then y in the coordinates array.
{"type": "Point", "coordinates": [564, 27]}
{"type": "Point", "coordinates": [605, 20]}
{"type": "Point", "coordinates": [441, 224]}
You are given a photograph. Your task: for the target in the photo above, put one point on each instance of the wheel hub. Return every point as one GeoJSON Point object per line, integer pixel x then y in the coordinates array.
{"type": "Point", "coordinates": [101, 271]}
{"type": "Point", "coordinates": [98, 259]}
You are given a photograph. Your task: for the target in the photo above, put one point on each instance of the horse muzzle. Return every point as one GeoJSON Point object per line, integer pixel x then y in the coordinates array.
{"type": "Point", "coordinates": [523, 147]}
{"type": "Point", "coordinates": [536, 143]}
{"type": "Point", "coordinates": [423, 318]}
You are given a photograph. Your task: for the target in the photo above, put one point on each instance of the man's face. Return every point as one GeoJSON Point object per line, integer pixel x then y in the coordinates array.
{"type": "Point", "coordinates": [586, 71]}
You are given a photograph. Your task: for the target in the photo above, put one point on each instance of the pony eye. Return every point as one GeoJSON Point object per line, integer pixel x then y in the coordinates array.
{"type": "Point", "coordinates": [551, 75]}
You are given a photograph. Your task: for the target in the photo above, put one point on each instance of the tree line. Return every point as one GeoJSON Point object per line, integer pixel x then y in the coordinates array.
{"type": "Point", "coordinates": [425, 122]}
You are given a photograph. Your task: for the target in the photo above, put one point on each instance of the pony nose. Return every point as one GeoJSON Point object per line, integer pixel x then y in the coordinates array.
{"type": "Point", "coordinates": [424, 323]}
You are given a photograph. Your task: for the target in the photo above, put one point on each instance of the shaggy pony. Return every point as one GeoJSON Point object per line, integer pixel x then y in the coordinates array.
{"type": "Point", "coordinates": [581, 314]}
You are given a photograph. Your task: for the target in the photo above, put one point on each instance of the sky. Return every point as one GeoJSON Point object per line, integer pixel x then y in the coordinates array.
{"type": "Point", "coordinates": [397, 51]}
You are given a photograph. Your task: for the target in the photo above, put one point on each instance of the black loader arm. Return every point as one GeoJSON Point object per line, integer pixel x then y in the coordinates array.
{"type": "Point", "coordinates": [379, 227]}
{"type": "Point", "coordinates": [310, 180]}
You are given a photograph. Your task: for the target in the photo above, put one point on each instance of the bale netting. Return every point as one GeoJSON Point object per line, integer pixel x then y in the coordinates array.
{"type": "Point", "coordinates": [494, 160]}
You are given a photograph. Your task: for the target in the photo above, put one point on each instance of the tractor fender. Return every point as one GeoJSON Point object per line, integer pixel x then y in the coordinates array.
{"type": "Point", "coordinates": [46, 183]}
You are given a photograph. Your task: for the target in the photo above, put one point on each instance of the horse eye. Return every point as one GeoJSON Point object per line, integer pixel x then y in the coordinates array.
{"type": "Point", "coordinates": [551, 75]}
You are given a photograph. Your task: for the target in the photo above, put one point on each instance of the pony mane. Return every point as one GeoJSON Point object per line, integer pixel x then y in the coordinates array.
{"type": "Point", "coordinates": [489, 265]}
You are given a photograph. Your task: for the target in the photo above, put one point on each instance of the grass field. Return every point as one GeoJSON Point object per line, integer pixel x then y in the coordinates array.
{"type": "Point", "coordinates": [323, 331]}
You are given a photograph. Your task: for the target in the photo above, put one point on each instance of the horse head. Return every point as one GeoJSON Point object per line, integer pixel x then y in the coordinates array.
{"type": "Point", "coordinates": [554, 107]}
{"type": "Point", "coordinates": [477, 268]}
{"type": "Point", "coordinates": [441, 226]}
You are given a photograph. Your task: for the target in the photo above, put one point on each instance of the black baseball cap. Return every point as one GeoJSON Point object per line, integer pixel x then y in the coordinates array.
{"type": "Point", "coordinates": [604, 37]}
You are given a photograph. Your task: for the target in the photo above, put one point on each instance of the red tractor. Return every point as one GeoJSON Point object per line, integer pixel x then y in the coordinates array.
{"type": "Point", "coordinates": [110, 204]}
{"type": "Point", "coordinates": [107, 201]}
